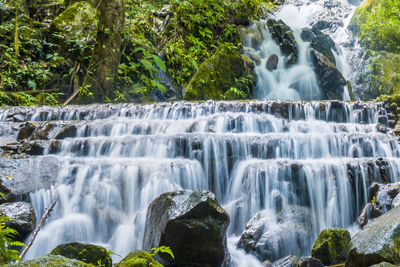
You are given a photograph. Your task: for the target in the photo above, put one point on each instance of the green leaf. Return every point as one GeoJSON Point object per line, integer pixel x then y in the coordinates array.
{"type": "Point", "coordinates": [160, 63]}
{"type": "Point", "coordinates": [148, 66]}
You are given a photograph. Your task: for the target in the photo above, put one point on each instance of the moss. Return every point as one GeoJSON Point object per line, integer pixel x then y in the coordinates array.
{"type": "Point", "coordinates": [84, 252]}
{"type": "Point", "coordinates": [138, 259]}
{"type": "Point", "coordinates": [78, 21]}
{"type": "Point", "coordinates": [332, 246]}
{"type": "Point", "coordinates": [218, 74]}
{"type": "Point", "coordinates": [51, 261]}
{"type": "Point", "coordinates": [360, 16]}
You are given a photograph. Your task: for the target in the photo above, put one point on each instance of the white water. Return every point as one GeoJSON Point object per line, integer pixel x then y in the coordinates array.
{"type": "Point", "coordinates": [319, 158]}
{"type": "Point", "coordinates": [298, 82]}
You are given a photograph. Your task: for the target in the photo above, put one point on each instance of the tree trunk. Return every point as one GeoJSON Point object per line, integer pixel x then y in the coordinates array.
{"type": "Point", "coordinates": [107, 51]}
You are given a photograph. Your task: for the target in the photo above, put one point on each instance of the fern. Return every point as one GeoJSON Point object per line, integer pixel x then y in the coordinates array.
{"type": "Point", "coordinates": [7, 236]}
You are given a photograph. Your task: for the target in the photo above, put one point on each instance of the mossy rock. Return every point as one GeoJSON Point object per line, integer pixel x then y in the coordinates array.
{"type": "Point", "coordinates": [138, 258]}
{"type": "Point", "coordinates": [218, 74]}
{"type": "Point", "coordinates": [84, 252]}
{"type": "Point", "coordinates": [78, 21]}
{"type": "Point", "coordinates": [332, 246]}
{"type": "Point", "coordinates": [52, 261]}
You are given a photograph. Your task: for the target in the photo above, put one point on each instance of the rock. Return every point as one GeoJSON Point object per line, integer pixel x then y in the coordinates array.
{"type": "Point", "coordinates": [330, 79]}
{"type": "Point", "coordinates": [22, 217]}
{"type": "Point", "coordinates": [384, 197]}
{"type": "Point", "coordinates": [51, 261]}
{"type": "Point", "coordinates": [43, 130]}
{"type": "Point", "coordinates": [272, 62]}
{"type": "Point", "coordinates": [218, 74]}
{"type": "Point", "coordinates": [138, 259]}
{"type": "Point", "coordinates": [33, 148]}
{"type": "Point", "coordinates": [26, 130]}
{"type": "Point", "coordinates": [87, 253]}
{"type": "Point", "coordinates": [307, 35]}
{"type": "Point", "coordinates": [309, 262]}
{"type": "Point", "coordinates": [78, 20]}
{"type": "Point", "coordinates": [378, 241]}
{"type": "Point", "coordinates": [288, 261]}
{"type": "Point", "coordinates": [283, 36]}
{"type": "Point", "coordinates": [192, 224]}
{"type": "Point", "coordinates": [332, 246]}
{"type": "Point", "coordinates": [253, 55]}
{"type": "Point", "coordinates": [324, 44]}
{"type": "Point", "coordinates": [66, 132]}
{"type": "Point", "coordinates": [266, 233]}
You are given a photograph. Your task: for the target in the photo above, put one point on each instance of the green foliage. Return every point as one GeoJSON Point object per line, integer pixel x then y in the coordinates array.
{"type": "Point", "coordinates": [7, 236]}
{"type": "Point", "coordinates": [162, 249]}
{"type": "Point", "coordinates": [379, 23]}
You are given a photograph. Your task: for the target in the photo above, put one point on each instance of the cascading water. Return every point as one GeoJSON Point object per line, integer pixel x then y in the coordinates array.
{"type": "Point", "coordinates": [298, 81]}
{"type": "Point", "coordinates": [301, 167]}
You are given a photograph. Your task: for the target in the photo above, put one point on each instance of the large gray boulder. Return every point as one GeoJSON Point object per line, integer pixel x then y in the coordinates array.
{"type": "Point", "coordinates": [330, 79]}
{"type": "Point", "coordinates": [51, 261]}
{"type": "Point", "coordinates": [192, 224]}
{"type": "Point", "coordinates": [379, 241]}
{"type": "Point", "coordinates": [266, 236]}
{"type": "Point", "coordinates": [22, 217]}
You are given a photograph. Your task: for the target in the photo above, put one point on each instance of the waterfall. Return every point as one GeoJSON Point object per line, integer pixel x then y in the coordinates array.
{"type": "Point", "coordinates": [305, 166]}
{"type": "Point", "coordinates": [298, 81]}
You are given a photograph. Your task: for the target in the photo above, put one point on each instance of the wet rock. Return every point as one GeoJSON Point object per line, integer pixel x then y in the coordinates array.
{"type": "Point", "coordinates": [324, 44]}
{"type": "Point", "coordinates": [26, 130]}
{"type": "Point", "coordinates": [384, 197]}
{"type": "Point", "coordinates": [307, 35]}
{"type": "Point", "coordinates": [272, 62]}
{"type": "Point", "coordinates": [283, 36]}
{"type": "Point", "coordinates": [87, 253]}
{"type": "Point", "coordinates": [253, 55]}
{"type": "Point", "coordinates": [332, 246]}
{"type": "Point", "coordinates": [192, 224]}
{"type": "Point", "coordinates": [378, 242]}
{"type": "Point", "coordinates": [138, 259]}
{"type": "Point", "coordinates": [383, 264]}
{"type": "Point", "coordinates": [288, 261]}
{"type": "Point", "coordinates": [42, 132]}
{"type": "Point", "coordinates": [33, 148]}
{"type": "Point", "coordinates": [265, 234]}
{"type": "Point", "coordinates": [309, 262]}
{"type": "Point", "coordinates": [51, 261]}
{"type": "Point", "coordinates": [66, 132]}
{"type": "Point", "coordinates": [22, 217]}
{"type": "Point", "coordinates": [21, 176]}
{"type": "Point", "coordinates": [330, 79]}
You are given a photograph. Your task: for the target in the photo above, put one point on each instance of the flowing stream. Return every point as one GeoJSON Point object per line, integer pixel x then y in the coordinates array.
{"type": "Point", "coordinates": [294, 167]}
{"type": "Point", "coordinates": [306, 165]}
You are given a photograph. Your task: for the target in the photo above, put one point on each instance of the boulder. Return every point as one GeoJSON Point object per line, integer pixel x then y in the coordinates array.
{"type": "Point", "coordinates": [87, 253]}
{"type": "Point", "coordinates": [138, 259]}
{"type": "Point", "coordinates": [330, 79]}
{"type": "Point", "coordinates": [22, 217]}
{"type": "Point", "coordinates": [267, 232]}
{"type": "Point", "coordinates": [192, 224]}
{"type": "Point", "coordinates": [78, 21]}
{"type": "Point", "coordinates": [288, 261]}
{"type": "Point", "coordinates": [218, 74]}
{"type": "Point", "coordinates": [307, 35]}
{"type": "Point", "coordinates": [26, 130]}
{"type": "Point", "coordinates": [66, 132]}
{"type": "Point", "coordinates": [384, 197]}
{"type": "Point", "coordinates": [283, 36]}
{"type": "Point", "coordinates": [309, 262]}
{"type": "Point", "coordinates": [332, 246]}
{"type": "Point", "coordinates": [383, 264]}
{"type": "Point", "coordinates": [324, 44]}
{"type": "Point", "coordinates": [272, 62]}
{"type": "Point", "coordinates": [51, 261]}
{"type": "Point", "coordinates": [377, 242]}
